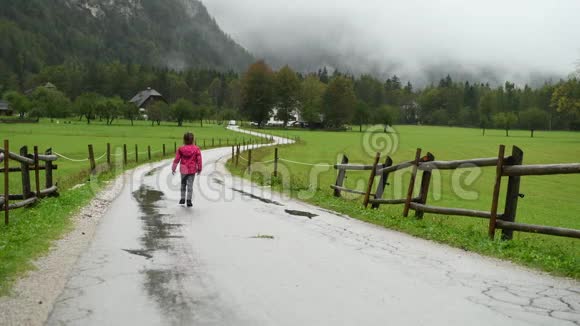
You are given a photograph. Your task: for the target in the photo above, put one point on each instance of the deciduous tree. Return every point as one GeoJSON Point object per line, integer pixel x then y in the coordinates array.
{"type": "Point", "coordinates": [339, 102]}
{"type": "Point", "coordinates": [86, 105]}
{"type": "Point", "coordinates": [311, 94]}
{"type": "Point", "coordinates": [182, 110]}
{"type": "Point", "coordinates": [533, 119]}
{"type": "Point", "coordinates": [505, 120]}
{"type": "Point", "coordinates": [157, 111]}
{"type": "Point", "coordinates": [287, 88]}
{"type": "Point", "coordinates": [18, 102]}
{"type": "Point", "coordinates": [258, 96]}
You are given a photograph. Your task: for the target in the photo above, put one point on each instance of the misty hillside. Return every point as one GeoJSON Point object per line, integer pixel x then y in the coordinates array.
{"type": "Point", "coordinates": [173, 33]}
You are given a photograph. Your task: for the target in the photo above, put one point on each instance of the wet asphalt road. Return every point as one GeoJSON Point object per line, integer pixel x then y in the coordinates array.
{"type": "Point", "coordinates": [245, 256]}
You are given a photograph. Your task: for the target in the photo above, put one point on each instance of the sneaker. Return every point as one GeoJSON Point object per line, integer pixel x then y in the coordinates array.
{"type": "Point", "coordinates": [182, 202]}
{"type": "Point", "coordinates": [189, 203]}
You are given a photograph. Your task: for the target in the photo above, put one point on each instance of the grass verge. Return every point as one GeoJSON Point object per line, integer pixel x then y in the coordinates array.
{"type": "Point", "coordinates": [552, 201]}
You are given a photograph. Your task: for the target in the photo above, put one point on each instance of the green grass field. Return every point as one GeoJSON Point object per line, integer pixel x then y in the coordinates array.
{"type": "Point", "coordinates": [32, 230]}
{"type": "Point", "coordinates": [549, 200]}
{"type": "Point", "coordinates": [72, 140]}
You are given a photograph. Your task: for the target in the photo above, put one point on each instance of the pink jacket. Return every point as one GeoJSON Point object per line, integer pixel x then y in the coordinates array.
{"type": "Point", "coordinates": [190, 158]}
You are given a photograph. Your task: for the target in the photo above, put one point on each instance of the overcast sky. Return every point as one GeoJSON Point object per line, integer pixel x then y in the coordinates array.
{"type": "Point", "coordinates": [413, 38]}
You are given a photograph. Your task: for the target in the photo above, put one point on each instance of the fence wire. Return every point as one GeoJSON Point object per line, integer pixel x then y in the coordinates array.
{"type": "Point", "coordinates": [70, 159]}
{"type": "Point", "coordinates": [290, 161]}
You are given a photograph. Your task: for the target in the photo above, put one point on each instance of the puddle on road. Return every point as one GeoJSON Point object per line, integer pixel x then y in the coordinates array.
{"type": "Point", "coordinates": [262, 199]}
{"type": "Point", "coordinates": [142, 253]}
{"type": "Point", "coordinates": [154, 171]}
{"type": "Point", "coordinates": [300, 213]}
{"type": "Point", "coordinates": [164, 286]}
{"type": "Point", "coordinates": [156, 230]}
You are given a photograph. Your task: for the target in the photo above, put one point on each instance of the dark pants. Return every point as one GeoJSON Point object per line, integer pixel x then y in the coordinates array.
{"type": "Point", "coordinates": [187, 182]}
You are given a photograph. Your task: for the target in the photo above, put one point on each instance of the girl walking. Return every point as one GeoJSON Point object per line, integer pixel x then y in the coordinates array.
{"type": "Point", "coordinates": [188, 157]}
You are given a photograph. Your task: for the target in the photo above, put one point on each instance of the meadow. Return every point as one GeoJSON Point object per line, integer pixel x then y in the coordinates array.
{"type": "Point", "coordinates": [32, 230]}
{"type": "Point", "coordinates": [72, 140]}
{"type": "Point", "coordinates": [549, 200]}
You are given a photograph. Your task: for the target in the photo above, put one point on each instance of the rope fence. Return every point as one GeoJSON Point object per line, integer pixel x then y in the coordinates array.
{"type": "Point", "coordinates": [236, 157]}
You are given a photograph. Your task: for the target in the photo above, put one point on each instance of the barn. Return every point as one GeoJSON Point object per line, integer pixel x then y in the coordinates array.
{"type": "Point", "coordinates": [147, 97]}
{"type": "Point", "coordinates": [5, 109]}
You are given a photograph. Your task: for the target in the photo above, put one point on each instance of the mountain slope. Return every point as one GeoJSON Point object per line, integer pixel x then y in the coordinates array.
{"type": "Point", "coordinates": [172, 33]}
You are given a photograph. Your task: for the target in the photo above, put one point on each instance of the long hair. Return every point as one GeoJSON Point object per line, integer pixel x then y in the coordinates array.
{"type": "Point", "coordinates": [188, 138]}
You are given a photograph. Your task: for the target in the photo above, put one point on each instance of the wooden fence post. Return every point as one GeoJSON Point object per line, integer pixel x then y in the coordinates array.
{"type": "Point", "coordinates": [220, 142]}
{"type": "Point", "coordinates": [124, 154]}
{"type": "Point", "coordinates": [48, 170]}
{"type": "Point", "coordinates": [340, 177]}
{"type": "Point", "coordinates": [513, 193]}
{"type": "Point", "coordinates": [36, 172]}
{"type": "Point", "coordinates": [383, 182]}
{"type": "Point", "coordinates": [174, 147]}
{"type": "Point", "coordinates": [25, 170]}
{"type": "Point", "coordinates": [6, 182]}
{"type": "Point", "coordinates": [212, 142]}
{"type": "Point", "coordinates": [136, 154]}
{"type": "Point", "coordinates": [164, 151]}
{"type": "Point", "coordinates": [149, 152]}
{"type": "Point", "coordinates": [412, 183]}
{"type": "Point", "coordinates": [496, 190]}
{"type": "Point", "coordinates": [238, 155]}
{"type": "Point", "coordinates": [109, 154]}
{"type": "Point", "coordinates": [204, 146]}
{"type": "Point", "coordinates": [276, 162]}
{"type": "Point", "coordinates": [425, 184]}
{"type": "Point", "coordinates": [371, 180]}
{"type": "Point", "coordinates": [250, 161]}
{"type": "Point", "coordinates": [423, 192]}
{"type": "Point", "coordinates": [233, 153]}
{"type": "Point", "coordinates": [92, 162]}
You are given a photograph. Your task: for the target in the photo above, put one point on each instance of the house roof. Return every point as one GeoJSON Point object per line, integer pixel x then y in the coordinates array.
{"type": "Point", "coordinates": [48, 85]}
{"type": "Point", "coordinates": [143, 96]}
{"type": "Point", "coordinates": [4, 106]}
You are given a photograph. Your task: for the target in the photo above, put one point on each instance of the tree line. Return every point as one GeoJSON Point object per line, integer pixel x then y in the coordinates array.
{"type": "Point", "coordinates": [321, 99]}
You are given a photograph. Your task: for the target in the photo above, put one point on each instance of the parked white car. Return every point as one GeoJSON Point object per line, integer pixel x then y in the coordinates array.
{"type": "Point", "coordinates": [232, 123]}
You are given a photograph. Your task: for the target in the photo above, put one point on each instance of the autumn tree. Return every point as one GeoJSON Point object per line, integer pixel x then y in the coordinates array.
{"type": "Point", "coordinates": [566, 97]}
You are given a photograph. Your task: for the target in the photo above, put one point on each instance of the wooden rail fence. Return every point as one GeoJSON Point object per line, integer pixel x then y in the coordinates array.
{"type": "Point", "coordinates": [510, 166]}
{"type": "Point", "coordinates": [31, 163]}
{"type": "Point", "coordinates": [27, 163]}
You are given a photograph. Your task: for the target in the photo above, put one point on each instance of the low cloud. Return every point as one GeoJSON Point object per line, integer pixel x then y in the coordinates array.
{"type": "Point", "coordinates": [420, 40]}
